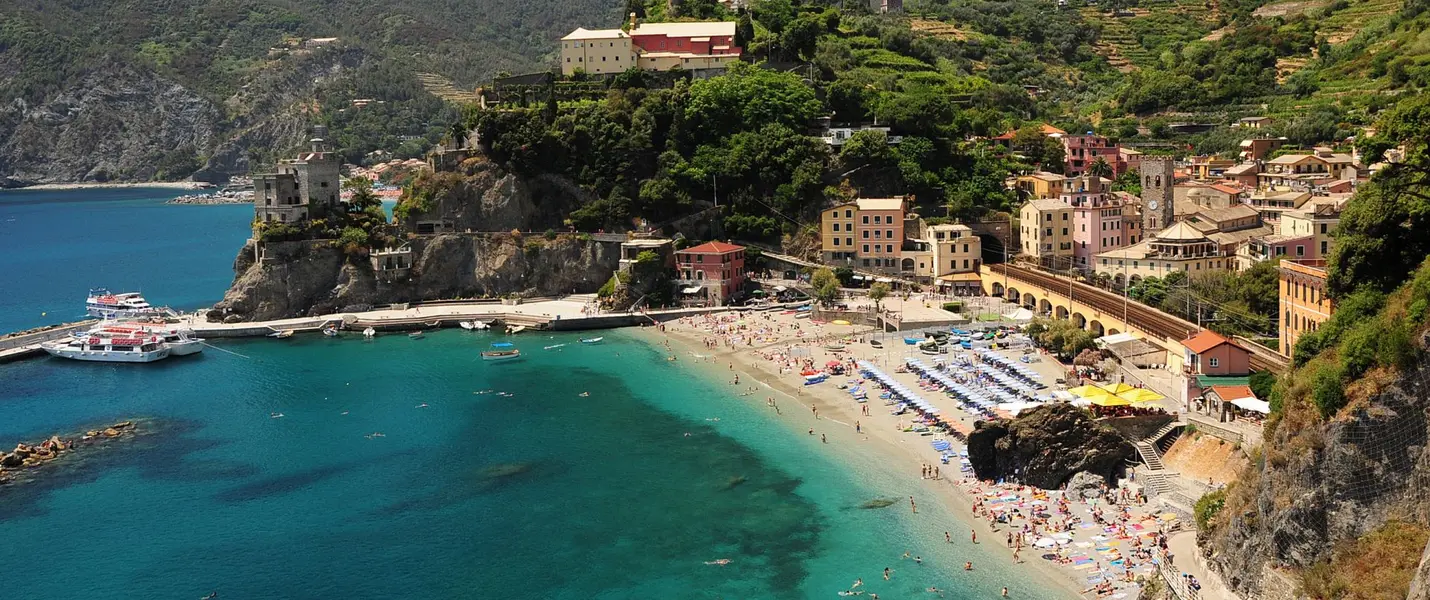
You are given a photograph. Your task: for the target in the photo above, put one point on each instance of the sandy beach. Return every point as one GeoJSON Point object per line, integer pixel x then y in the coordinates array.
{"type": "Point", "coordinates": [178, 185]}
{"type": "Point", "coordinates": [756, 347]}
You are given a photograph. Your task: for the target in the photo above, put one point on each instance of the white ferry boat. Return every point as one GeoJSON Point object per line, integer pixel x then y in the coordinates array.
{"type": "Point", "coordinates": [106, 305]}
{"type": "Point", "coordinates": [181, 341]}
{"type": "Point", "coordinates": [105, 348]}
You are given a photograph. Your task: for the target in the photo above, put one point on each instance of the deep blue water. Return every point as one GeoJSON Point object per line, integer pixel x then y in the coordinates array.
{"type": "Point", "coordinates": [540, 494]}
{"type": "Point", "coordinates": [57, 244]}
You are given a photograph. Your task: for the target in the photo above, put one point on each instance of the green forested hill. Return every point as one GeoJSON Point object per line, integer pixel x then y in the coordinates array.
{"type": "Point", "coordinates": [230, 81]}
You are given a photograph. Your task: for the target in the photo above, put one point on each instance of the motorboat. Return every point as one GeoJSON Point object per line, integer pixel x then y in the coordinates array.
{"type": "Point", "coordinates": [479, 326]}
{"type": "Point", "coordinates": [467, 325]}
{"type": "Point", "coordinates": [516, 329]}
{"type": "Point", "coordinates": [369, 333]}
{"type": "Point", "coordinates": [110, 348]}
{"type": "Point", "coordinates": [282, 334]}
{"type": "Point", "coordinates": [554, 346]}
{"type": "Point", "coordinates": [501, 351]}
{"type": "Point", "coordinates": [107, 305]}
{"type": "Point", "coordinates": [416, 335]}
{"type": "Point", "coordinates": [594, 340]}
{"type": "Point", "coordinates": [330, 331]}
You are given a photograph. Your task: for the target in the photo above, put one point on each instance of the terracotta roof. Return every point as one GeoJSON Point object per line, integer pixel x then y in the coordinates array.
{"type": "Point", "coordinates": [1243, 169]}
{"type": "Point", "coordinates": [1206, 340]}
{"type": "Point", "coordinates": [1232, 392]}
{"type": "Point", "coordinates": [1226, 189]}
{"type": "Point", "coordinates": [713, 248]}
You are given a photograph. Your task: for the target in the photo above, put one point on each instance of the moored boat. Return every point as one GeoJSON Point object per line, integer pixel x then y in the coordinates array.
{"type": "Point", "coordinates": [282, 334]}
{"type": "Point", "coordinates": [478, 325]}
{"type": "Point", "coordinates": [180, 341]}
{"type": "Point", "coordinates": [109, 349]}
{"type": "Point", "coordinates": [516, 329]}
{"type": "Point", "coordinates": [107, 305]}
{"type": "Point", "coordinates": [594, 340]}
{"type": "Point", "coordinates": [369, 333]}
{"type": "Point", "coordinates": [416, 335]}
{"type": "Point", "coordinates": [554, 346]}
{"type": "Point", "coordinates": [467, 325]}
{"type": "Point", "coordinates": [330, 331]}
{"type": "Point", "coordinates": [501, 351]}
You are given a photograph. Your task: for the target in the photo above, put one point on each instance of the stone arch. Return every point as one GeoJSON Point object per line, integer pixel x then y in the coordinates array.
{"type": "Point", "coordinates": [1061, 312]}
{"type": "Point", "coordinates": [1096, 328]}
{"type": "Point", "coordinates": [1113, 332]}
{"type": "Point", "coordinates": [1012, 295]}
{"type": "Point", "coordinates": [1028, 300]}
{"type": "Point", "coordinates": [908, 265]}
{"type": "Point", "coordinates": [1044, 306]}
{"type": "Point", "coordinates": [1135, 279]}
{"type": "Point", "coordinates": [1079, 320]}
{"type": "Point", "coordinates": [1117, 280]}
{"type": "Point", "coordinates": [997, 289]}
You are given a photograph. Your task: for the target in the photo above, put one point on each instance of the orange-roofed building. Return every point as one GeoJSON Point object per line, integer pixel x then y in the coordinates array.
{"type": "Point", "coordinates": [713, 272]}
{"type": "Point", "coordinates": [1208, 353]}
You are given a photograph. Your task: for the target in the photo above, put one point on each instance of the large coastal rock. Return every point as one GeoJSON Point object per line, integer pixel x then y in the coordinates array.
{"type": "Point", "coordinates": [482, 196]}
{"type": "Point", "coordinates": [1046, 446]}
{"type": "Point", "coordinates": [1324, 483]}
{"type": "Point", "coordinates": [311, 278]}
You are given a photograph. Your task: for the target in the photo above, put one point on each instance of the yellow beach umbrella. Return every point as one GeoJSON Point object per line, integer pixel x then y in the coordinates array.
{"type": "Point", "coordinates": [1139, 395]}
{"type": "Point", "coordinates": [1109, 400]}
{"type": "Point", "coordinates": [1089, 391]}
{"type": "Point", "coordinates": [1117, 388]}
{"type": "Point", "coordinates": [840, 322]}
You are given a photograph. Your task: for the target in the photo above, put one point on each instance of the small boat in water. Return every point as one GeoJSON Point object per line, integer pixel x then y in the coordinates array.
{"type": "Point", "coordinates": [501, 351]}
{"type": "Point", "coordinates": [467, 325]}
{"type": "Point", "coordinates": [554, 346]}
{"type": "Point", "coordinates": [479, 326]}
{"type": "Point", "coordinates": [282, 334]}
{"type": "Point", "coordinates": [369, 333]}
{"type": "Point", "coordinates": [594, 340]}
{"type": "Point", "coordinates": [516, 329]}
{"type": "Point", "coordinates": [416, 335]}
{"type": "Point", "coordinates": [330, 331]}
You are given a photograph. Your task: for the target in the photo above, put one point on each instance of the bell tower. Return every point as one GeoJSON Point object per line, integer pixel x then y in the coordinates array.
{"type": "Point", "coordinates": [1158, 177]}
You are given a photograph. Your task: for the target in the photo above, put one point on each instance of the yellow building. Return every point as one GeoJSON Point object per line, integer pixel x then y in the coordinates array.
{"type": "Point", "coordinates": [1304, 304]}
{"type": "Point", "coordinates": [1041, 185]}
{"type": "Point", "coordinates": [1302, 171]}
{"type": "Point", "coordinates": [1317, 219]}
{"type": "Point", "coordinates": [666, 61]}
{"type": "Point", "coordinates": [596, 51]}
{"type": "Point", "coordinates": [1045, 229]}
{"type": "Point", "coordinates": [836, 234]}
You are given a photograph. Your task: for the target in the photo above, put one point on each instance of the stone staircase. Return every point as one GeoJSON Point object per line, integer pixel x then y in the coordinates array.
{"type": "Point", "coordinates": [1155, 477]}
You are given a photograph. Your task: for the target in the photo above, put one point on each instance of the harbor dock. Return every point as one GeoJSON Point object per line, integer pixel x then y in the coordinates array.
{"type": "Point", "coordinates": [568, 313]}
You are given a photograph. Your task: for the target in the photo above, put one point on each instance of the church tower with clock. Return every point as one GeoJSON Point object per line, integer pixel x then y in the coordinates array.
{"type": "Point", "coordinates": [1158, 178]}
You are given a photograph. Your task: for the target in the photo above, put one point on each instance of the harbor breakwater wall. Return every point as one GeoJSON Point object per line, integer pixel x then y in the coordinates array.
{"type": "Point", "coordinates": [298, 279]}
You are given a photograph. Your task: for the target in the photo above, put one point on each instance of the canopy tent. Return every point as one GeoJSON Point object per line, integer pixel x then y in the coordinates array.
{"type": "Point", "coordinates": [1021, 314]}
{"type": "Point", "coordinates": [1116, 338]}
{"type": "Point", "coordinates": [1253, 404]}
{"type": "Point", "coordinates": [1140, 395]}
{"type": "Point", "coordinates": [694, 289]}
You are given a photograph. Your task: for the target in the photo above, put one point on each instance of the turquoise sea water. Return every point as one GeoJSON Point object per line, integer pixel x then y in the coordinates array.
{"type": "Point", "coordinates": [538, 494]}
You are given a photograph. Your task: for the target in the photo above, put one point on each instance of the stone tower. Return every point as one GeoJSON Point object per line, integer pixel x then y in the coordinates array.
{"type": "Point", "coordinates": [1158, 178]}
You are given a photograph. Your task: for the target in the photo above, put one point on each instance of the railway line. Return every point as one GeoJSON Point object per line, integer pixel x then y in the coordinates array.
{"type": "Point", "coordinates": [1137, 315]}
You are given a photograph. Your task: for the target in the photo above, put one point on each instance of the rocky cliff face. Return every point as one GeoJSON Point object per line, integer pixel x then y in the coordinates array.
{"type": "Point", "coordinates": [126, 123]}
{"type": "Point", "coordinates": [1046, 446]}
{"type": "Point", "coordinates": [312, 278]}
{"type": "Point", "coordinates": [1321, 484]}
{"type": "Point", "coordinates": [484, 197]}
{"type": "Point", "coordinates": [113, 125]}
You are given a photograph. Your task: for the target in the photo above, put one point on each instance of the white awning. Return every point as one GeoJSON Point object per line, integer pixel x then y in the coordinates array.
{"type": "Point", "coordinates": [1116, 338]}
{"type": "Point", "coordinates": [694, 289]}
{"type": "Point", "coordinates": [859, 277]}
{"type": "Point", "coordinates": [885, 280]}
{"type": "Point", "coordinates": [1253, 404]}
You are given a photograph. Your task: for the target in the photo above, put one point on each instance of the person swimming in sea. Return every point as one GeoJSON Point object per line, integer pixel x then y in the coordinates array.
{"type": "Point", "coordinates": [423, 405]}
{"type": "Point", "coordinates": [275, 415]}
{"type": "Point", "coordinates": [719, 561]}
{"type": "Point", "coordinates": [585, 394]}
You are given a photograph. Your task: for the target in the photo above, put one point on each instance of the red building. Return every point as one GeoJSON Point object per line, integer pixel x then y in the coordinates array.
{"type": "Point", "coordinates": [697, 38]}
{"type": "Point", "coordinates": [714, 271]}
{"type": "Point", "coordinates": [1083, 150]}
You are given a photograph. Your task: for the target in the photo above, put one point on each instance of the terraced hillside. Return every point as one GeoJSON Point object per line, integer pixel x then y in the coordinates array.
{"type": "Point", "coordinates": [1136, 37]}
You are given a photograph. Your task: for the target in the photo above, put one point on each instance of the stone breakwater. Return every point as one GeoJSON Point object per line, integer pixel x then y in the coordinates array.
{"type": "Point", "coordinates": [223, 197]}
{"type": "Point", "coordinates": [31, 456]}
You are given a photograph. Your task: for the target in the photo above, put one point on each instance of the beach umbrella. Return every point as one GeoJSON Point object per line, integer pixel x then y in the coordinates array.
{"type": "Point", "coordinates": [1045, 543]}
{"type": "Point", "coordinates": [1089, 392]}
{"type": "Point", "coordinates": [1109, 400]}
{"type": "Point", "coordinates": [1117, 388]}
{"type": "Point", "coordinates": [1139, 395]}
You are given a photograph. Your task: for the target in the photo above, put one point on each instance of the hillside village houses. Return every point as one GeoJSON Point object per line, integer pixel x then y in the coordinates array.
{"type": "Point", "coordinates": [690, 46]}
{"type": "Point", "coordinates": [880, 237]}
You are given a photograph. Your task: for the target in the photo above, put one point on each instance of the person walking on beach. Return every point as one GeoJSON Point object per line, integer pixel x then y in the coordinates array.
{"type": "Point", "coordinates": [973, 535]}
{"type": "Point", "coordinates": [814, 409]}
{"type": "Point", "coordinates": [858, 428]}
{"type": "Point", "coordinates": [823, 439]}
{"type": "Point", "coordinates": [947, 539]}
{"type": "Point", "coordinates": [913, 506]}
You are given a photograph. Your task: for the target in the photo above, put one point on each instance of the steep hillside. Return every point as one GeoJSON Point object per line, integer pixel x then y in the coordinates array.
{"type": "Point", "coordinates": [237, 80]}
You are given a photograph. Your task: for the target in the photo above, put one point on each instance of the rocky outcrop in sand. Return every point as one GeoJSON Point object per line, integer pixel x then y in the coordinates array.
{"type": "Point", "coordinates": [1045, 446]}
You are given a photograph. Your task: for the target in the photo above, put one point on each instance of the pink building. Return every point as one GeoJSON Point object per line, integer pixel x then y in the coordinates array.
{"type": "Point", "coordinates": [713, 269]}
{"type": "Point", "coordinates": [879, 232]}
{"type": "Point", "coordinates": [697, 38]}
{"type": "Point", "coordinates": [1098, 224]}
{"type": "Point", "coordinates": [1083, 150]}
